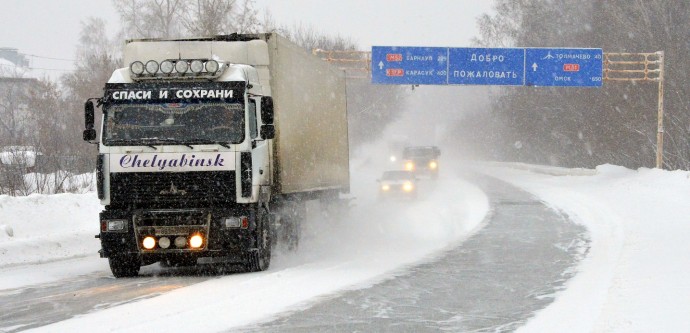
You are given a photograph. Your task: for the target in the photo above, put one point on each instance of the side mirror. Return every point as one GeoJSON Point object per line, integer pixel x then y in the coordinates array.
{"type": "Point", "coordinates": [268, 132]}
{"type": "Point", "coordinates": [267, 110]}
{"type": "Point", "coordinates": [88, 114]}
{"type": "Point", "coordinates": [89, 134]}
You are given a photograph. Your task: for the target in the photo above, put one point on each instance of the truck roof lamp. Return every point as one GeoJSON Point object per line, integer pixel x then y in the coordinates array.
{"type": "Point", "coordinates": [137, 68]}
{"type": "Point", "coordinates": [197, 66]}
{"type": "Point", "coordinates": [212, 66]}
{"type": "Point", "coordinates": [167, 66]}
{"type": "Point", "coordinates": [181, 66]}
{"type": "Point", "coordinates": [151, 67]}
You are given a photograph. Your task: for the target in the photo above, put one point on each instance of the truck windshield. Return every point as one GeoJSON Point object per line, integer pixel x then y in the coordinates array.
{"type": "Point", "coordinates": [173, 123]}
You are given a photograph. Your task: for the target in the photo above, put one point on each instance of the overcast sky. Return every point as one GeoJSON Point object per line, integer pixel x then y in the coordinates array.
{"type": "Point", "coordinates": [50, 29]}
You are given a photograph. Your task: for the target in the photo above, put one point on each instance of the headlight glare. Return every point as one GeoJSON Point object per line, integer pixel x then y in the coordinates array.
{"type": "Point", "coordinates": [196, 241]}
{"type": "Point", "coordinates": [408, 187]}
{"type": "Point", "coordinates": [149, 242]}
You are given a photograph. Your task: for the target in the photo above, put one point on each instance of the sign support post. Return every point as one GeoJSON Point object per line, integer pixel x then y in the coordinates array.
{"type": "Point", "coordinates": [641, 67]}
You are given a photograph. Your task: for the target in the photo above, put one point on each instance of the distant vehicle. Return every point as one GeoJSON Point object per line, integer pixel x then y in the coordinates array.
{"type": "Point", "coordinates": [398, 184]}
{"type": "Point", "coordinates": [422, 160]}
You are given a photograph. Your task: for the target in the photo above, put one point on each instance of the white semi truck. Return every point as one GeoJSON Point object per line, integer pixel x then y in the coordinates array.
{"type": "Point", "coordinates": [209, 148]}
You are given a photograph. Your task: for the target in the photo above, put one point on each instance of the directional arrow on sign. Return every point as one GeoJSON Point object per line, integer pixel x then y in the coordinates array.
{"type": "Point", "coordinates": [381, 65]}
{"type": "Point", "coordinates": [534, 67]}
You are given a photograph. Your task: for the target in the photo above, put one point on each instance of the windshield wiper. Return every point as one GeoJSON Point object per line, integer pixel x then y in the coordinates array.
{"type": "Point", "coordinates": [206, 141]}
{"type": "Point", "coordinates": [166, 140]}
{"type": "Point", "coordinates": [130, 142]}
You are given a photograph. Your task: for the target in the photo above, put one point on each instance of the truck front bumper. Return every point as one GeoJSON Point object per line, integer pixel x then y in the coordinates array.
{"type": "Point", "coordinates": [159, 234]}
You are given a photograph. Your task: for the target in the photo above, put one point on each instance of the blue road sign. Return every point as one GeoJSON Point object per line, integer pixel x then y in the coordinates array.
{"type": "Point", "coordinates": [486, 66]}
{"type": "Point", "coordinates": [563, 67]}
{"type": "Point", "coordinates": [409, 65]}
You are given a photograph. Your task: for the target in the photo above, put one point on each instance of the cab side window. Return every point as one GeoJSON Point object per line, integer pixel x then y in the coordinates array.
{"type": "Point", "coordinates": [253, 133]}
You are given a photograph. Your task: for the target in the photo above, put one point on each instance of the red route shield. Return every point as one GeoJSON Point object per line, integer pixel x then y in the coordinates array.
{"type": "Point", "coordinates": [571, 67]}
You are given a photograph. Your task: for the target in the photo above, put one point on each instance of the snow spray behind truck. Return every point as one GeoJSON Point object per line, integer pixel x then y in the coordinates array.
{"type": "Point", "coordinates": [210, 147]}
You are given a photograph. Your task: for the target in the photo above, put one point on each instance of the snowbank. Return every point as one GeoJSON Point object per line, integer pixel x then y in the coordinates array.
{"type": "Point", "coordinates": [635, 276]}
{"type": "Point", "coordinates": [47, 227]}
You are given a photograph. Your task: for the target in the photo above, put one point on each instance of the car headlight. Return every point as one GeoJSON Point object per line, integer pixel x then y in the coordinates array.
{"type": "Point", "coordinates": [408, 187]}
{"type": "Point", "coordinates": [433, 165]}
{"type": "Point", "coordinates": [385, 187]}
{"type": "Point", "coordinates": [409, 165]}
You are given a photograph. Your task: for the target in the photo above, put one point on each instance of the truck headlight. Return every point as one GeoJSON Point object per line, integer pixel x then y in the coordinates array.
{"type": "Point", "coordinates": [196, 241]}
{"type": "Point", "coordinates": [164, 242]}
{"type": "Point", "coordinates": [433, 165]}
{"type": "Point", "coordinates": [409, 166]}
{"type": "Point", "coordinates": [149, 242]}
{"type": "Point", "coordinates": [385, 187]}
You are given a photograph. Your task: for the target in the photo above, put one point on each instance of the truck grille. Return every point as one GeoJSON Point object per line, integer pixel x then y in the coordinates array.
{"type": "Point", "coordinates": [172, 189]}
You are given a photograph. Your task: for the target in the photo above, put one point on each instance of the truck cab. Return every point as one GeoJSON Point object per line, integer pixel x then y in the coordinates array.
{"type": "Point", "coordinates": [184, 164]}
{"type": "Point", "coordinates": [209, 147]}
{"type": "Point", "coordinates": [422, 160]}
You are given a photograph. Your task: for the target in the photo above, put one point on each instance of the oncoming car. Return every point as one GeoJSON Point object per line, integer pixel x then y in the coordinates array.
{"type": "Point", "coordinates": [422, 160]}
{"type": "Point", "coordinates": [397, 184]}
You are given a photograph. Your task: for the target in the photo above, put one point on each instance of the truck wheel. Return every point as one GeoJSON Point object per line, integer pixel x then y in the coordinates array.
{"type": "Point", "coordinates": [260, 258]}
{"type": "Point", "coordinates": [124, 265]}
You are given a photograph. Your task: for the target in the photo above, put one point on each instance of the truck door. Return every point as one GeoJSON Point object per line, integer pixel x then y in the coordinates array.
{"type": "Point", "coordinates": [260, 148]}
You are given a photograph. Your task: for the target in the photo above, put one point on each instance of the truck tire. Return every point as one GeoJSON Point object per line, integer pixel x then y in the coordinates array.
{"type": "Point", "coordinates": [124, 265]}
{"type": "Point", "coordinates": [259, 259]}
